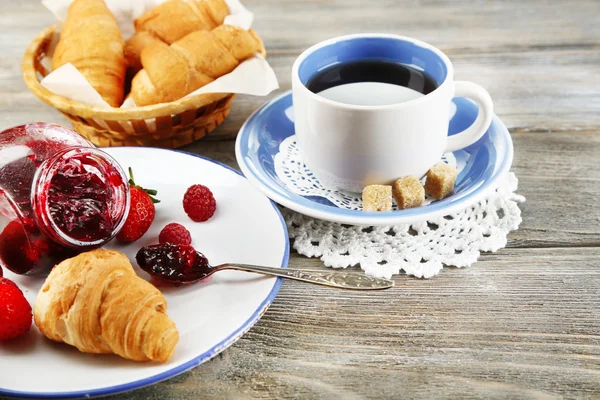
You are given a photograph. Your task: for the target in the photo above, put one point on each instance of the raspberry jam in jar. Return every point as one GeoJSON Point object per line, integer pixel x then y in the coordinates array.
{"type": "Point", "coordinates": [59, 196]}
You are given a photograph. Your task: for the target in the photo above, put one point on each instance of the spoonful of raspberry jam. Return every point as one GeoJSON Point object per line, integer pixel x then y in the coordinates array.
{"type": "Point", "coordinates": [179, 264]}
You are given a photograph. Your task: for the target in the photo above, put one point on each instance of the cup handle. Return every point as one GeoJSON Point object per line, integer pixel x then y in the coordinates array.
{"type": "Point", "coordinates": [470, 135]}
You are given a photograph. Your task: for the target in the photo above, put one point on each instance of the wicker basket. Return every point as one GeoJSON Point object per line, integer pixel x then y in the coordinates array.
{"type": "Point", "coordinates": [167, 125]}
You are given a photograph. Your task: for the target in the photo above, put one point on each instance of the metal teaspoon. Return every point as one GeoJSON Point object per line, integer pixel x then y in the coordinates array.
{"type": "Point", "coordinates": [336, 279]}
{"type": "Point", "coordinates": [183, 264]}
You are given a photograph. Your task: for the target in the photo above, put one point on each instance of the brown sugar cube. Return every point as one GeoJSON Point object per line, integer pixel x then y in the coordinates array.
{"type": "Point", "coordinates": [440, 180]}
{"type": "Point", "coordinates": [408, 192]}
{"type": "Point", "coordinates": [377, 198]}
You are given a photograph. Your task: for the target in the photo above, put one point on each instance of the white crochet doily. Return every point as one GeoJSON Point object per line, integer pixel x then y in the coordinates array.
{"type": "Point", "coordinates": [419, 249]}
{"type": "Point", "coordinates": [298, 178]}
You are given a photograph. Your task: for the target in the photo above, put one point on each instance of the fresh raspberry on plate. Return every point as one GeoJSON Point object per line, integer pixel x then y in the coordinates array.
{"type": "Point", "coordinates": [199, 203]}
{"type": "Point", "coordinates": [15, 311]}
{"type": "Point", "coordinates": [175, 233]}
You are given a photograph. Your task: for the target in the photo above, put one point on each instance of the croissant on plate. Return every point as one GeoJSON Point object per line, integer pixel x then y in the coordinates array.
{"type": "Point", "coordinates": [97, 303]}
{"type": "Point", "coordinates": [171, 72]}
{"type": "Point", "coordinates": [91, 40]}
{"type": "Point", "coordinates": [170, 21]}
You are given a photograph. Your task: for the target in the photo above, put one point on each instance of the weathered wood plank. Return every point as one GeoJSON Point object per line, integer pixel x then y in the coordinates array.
{"type": "Point", "coordinates": [519, 324]}
{"type": "Point", "coordinates": [544, 74]}
{"type": "Point", "coordinates": [558, 174]}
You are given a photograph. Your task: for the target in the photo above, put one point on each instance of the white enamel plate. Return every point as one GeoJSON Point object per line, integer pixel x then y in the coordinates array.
{"type": "Point", "coordinates": [210, 315]}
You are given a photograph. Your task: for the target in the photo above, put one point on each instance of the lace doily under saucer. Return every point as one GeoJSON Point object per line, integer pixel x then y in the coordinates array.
{"type": "Point", "coordinates": [420, 249]}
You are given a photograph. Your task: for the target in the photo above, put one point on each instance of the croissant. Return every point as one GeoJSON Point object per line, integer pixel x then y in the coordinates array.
{"type": "Point", "coordinates": [92, 42]}
{"type": "Point", "coordinates": [97, 303]}
{"type": "Point", "coordinates": [172, 20]}
{"type": "Point", "coordinates": [171, 72]}
{"type": "Point", "coordinates": [134, 46]}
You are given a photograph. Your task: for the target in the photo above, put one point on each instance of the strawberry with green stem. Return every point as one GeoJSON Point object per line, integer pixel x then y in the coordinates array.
{"type": "Point", "coordinates": [141, 212]}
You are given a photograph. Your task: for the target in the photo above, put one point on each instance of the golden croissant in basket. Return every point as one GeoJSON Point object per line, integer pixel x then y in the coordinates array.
{"type": "Point", "coordinates": [97, 303]}
{"type": "Point", "coordinates": [91, 40]}
{"type": "Point", "coordinates": [171, 72]}
{"type": "Point", "coordinates": [170, 21]}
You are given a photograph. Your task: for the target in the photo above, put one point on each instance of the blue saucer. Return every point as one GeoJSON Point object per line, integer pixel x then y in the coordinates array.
{"type": "Point", "coordinates": [484, 163]}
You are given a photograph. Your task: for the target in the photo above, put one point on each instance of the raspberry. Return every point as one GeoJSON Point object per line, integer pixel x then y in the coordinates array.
{"type": "Point", "coordinates": [175, 234]}
{"type": "Point", "coordinates": [199, 203]}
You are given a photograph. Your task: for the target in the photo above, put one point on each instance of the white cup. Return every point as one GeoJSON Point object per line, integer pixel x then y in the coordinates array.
{"type": "Point", "coordinates": [350, 146]}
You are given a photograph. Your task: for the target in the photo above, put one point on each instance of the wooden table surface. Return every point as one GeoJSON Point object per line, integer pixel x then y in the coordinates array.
{"type": "Point", "coordinates": [521, 323]}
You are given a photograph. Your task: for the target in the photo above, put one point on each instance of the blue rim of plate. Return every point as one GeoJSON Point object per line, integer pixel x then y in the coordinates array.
{"type": "Point", "coordinates": [224, 344]}
{"type": "Point", "coordinates": [259, 139]}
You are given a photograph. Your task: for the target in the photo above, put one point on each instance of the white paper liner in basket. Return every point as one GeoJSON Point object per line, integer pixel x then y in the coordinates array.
{"type": "Point", "coordinates": [68, 82]}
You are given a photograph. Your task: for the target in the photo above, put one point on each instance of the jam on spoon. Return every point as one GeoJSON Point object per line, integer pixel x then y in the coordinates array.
{"type": "Point", "coordinates": [177, 264]}
{"type": "Point", "coordinates": [173, 263]}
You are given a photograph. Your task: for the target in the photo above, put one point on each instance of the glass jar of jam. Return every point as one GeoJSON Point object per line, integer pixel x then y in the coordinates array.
{"type": "Point", "coordinates": [59, 196]}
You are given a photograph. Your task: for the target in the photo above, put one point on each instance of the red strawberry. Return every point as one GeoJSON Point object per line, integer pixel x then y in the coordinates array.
{"type": "Point", "coordinates": [15, 311]}
{"type": "Point", "coordinates": [141, 212]}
